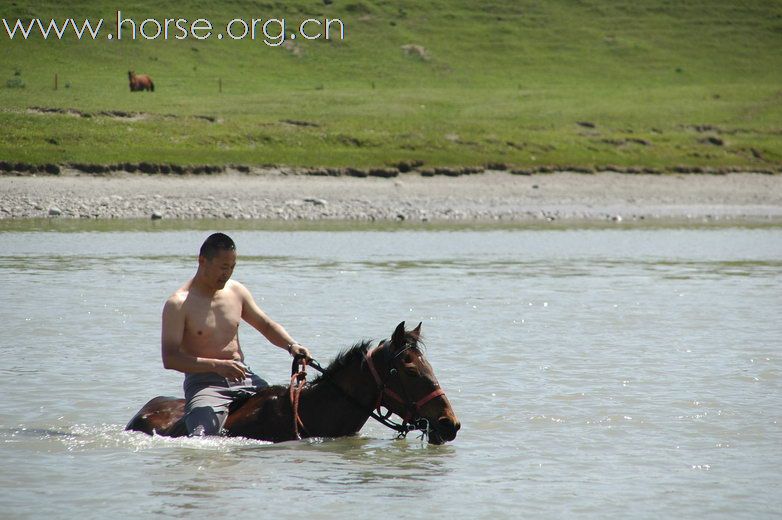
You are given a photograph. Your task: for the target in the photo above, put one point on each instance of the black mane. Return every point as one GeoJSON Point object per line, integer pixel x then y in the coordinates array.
{"type": "Point", "coordinates": [345, 358]}
{"type": "Point", "coordinates": [349, 355]}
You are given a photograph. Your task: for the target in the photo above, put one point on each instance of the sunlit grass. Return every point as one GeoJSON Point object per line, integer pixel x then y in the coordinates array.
{"type": "Point", "coordinates": [501, 82]}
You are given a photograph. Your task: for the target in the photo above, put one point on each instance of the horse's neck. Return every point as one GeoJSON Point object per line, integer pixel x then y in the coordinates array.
{"type": "Point", "coordinates": [339, 404]}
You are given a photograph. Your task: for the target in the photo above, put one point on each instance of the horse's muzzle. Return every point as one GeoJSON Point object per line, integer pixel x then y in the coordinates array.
{"type": "Point", "coordinates": [444, 430]}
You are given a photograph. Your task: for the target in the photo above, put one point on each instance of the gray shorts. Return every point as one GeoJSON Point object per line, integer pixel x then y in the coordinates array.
{"type": "Point", "coordinates": [208, 396]}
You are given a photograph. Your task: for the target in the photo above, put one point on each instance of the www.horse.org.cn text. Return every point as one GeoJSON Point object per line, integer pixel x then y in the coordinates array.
{"type": "Point", "coordinates": [271, 31]}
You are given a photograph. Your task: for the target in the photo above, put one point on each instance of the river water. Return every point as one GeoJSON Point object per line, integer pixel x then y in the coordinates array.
{"type": "Point", "coordinates": [605, 373]}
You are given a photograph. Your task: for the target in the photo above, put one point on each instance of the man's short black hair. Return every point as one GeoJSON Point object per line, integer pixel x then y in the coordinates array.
{"type": "Point", "coordinates": [214, 243]}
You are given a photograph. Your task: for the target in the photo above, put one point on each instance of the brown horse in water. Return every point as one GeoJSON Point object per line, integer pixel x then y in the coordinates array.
{"type": "Point", "coordinates": [140, 82]}
{"type": "Point", "coordinates": [395, 375]}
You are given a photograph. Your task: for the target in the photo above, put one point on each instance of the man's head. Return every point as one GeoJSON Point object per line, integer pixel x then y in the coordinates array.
{"type": "Point", "coordinates": [215, 243]}
{"type": "Point", "coordinates": [216, 260]}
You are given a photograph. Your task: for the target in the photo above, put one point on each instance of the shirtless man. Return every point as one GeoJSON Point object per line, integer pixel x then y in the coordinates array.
{"type": "Point", "coordinates": [201, 337]}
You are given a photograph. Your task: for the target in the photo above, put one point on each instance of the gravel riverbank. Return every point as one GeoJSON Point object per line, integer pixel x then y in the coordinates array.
{"type": "Point", "coordinates": [493, 195]}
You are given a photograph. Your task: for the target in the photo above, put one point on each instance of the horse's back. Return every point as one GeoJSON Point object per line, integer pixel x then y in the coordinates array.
{"type": "Point", "coordinates": [139, 82]}
{"type": "Point", "coordinates": [161, 416]}
{"type": "Point", "coordinates": [265, 415]}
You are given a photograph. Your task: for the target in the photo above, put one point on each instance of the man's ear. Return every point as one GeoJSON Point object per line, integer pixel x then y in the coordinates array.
{"type": "Point", "coordinates": [398, 338]}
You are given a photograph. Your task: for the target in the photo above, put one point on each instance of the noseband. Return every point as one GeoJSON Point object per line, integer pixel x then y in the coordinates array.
{"type": "Point", "coordinates": [412, 408]}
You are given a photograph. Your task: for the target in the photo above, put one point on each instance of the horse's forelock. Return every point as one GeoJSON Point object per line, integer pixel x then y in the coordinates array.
{"type": "Point", "coordinates": [415, 341]}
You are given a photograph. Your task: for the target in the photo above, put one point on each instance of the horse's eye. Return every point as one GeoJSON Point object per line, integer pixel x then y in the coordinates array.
{"type": "Point", "coordinates": [412, 370]}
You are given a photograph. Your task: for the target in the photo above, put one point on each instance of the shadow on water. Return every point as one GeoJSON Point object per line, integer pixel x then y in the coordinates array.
{"type": "Point", "coordinates": [402, 468]}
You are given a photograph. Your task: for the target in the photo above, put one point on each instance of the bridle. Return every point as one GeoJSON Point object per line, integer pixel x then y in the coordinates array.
{"type": "Point", "coordinates": [412, 408]}
{"type": "Point", "coordinates": [410, 422]}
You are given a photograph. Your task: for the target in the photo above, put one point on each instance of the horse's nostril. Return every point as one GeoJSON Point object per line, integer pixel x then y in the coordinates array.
{"type": "Point", "coordinates": [448, 427]}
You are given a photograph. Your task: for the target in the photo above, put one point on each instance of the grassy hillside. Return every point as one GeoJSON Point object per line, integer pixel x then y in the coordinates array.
{"type": "Point", "coordinates": [652, 83]}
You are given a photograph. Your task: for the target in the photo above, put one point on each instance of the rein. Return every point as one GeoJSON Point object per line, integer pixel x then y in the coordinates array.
{"type": "Point", "coordinates": [298, 381]}
{"type": "Point", "coordinates": [299, 374]}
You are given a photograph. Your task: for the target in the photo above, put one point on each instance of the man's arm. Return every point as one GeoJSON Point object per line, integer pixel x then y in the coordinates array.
{"type": "Point", "coordinates": [171, 343]}
{"type": "Point", "coordinates": [273, 331]}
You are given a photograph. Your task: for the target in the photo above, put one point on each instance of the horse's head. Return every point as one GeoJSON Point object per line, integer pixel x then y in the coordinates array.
{"type": "Point", "coordinates": [131, 74]}
{"type": "Point", "coordinates": [415, 393]}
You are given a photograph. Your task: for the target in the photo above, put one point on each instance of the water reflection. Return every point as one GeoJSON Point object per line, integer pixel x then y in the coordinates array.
{"type": "Point", "coordinates": [203, 468]}
{"type": "Point", "coordinates": [422, 268]}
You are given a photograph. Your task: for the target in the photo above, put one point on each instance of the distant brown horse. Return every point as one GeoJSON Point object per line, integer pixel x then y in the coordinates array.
{"type": "Point", "coordinates": [394, 374]}
{"type": "Point", "coordinates": [140, 82]}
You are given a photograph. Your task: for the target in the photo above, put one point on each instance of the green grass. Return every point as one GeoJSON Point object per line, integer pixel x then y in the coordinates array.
{"type": "Point", "coordinates": [505, 81]}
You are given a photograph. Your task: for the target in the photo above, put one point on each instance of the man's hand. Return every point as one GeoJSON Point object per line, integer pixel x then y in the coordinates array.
{"type": "Point", "coordinates": [299, 350]}
{"type": "Point", "coordinates": [230, 369]}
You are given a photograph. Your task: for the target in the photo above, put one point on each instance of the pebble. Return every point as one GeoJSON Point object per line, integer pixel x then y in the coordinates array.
{"type": "Point", "coordinates": [285, 204]}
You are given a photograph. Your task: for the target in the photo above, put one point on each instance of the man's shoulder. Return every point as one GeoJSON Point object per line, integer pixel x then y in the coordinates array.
{"type": "Point", "coordinates": [178, 297]}
{"type": "Point", "coordinates": [236, 287]}
{"type": "Point", "coordinates": [239, 291]}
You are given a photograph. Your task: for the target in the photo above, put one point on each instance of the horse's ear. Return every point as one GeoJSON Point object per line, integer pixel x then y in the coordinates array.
{"type": "Point", "coordinates": [398, 338]}
{"type": "Point", "coordinates": [416, 332]}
